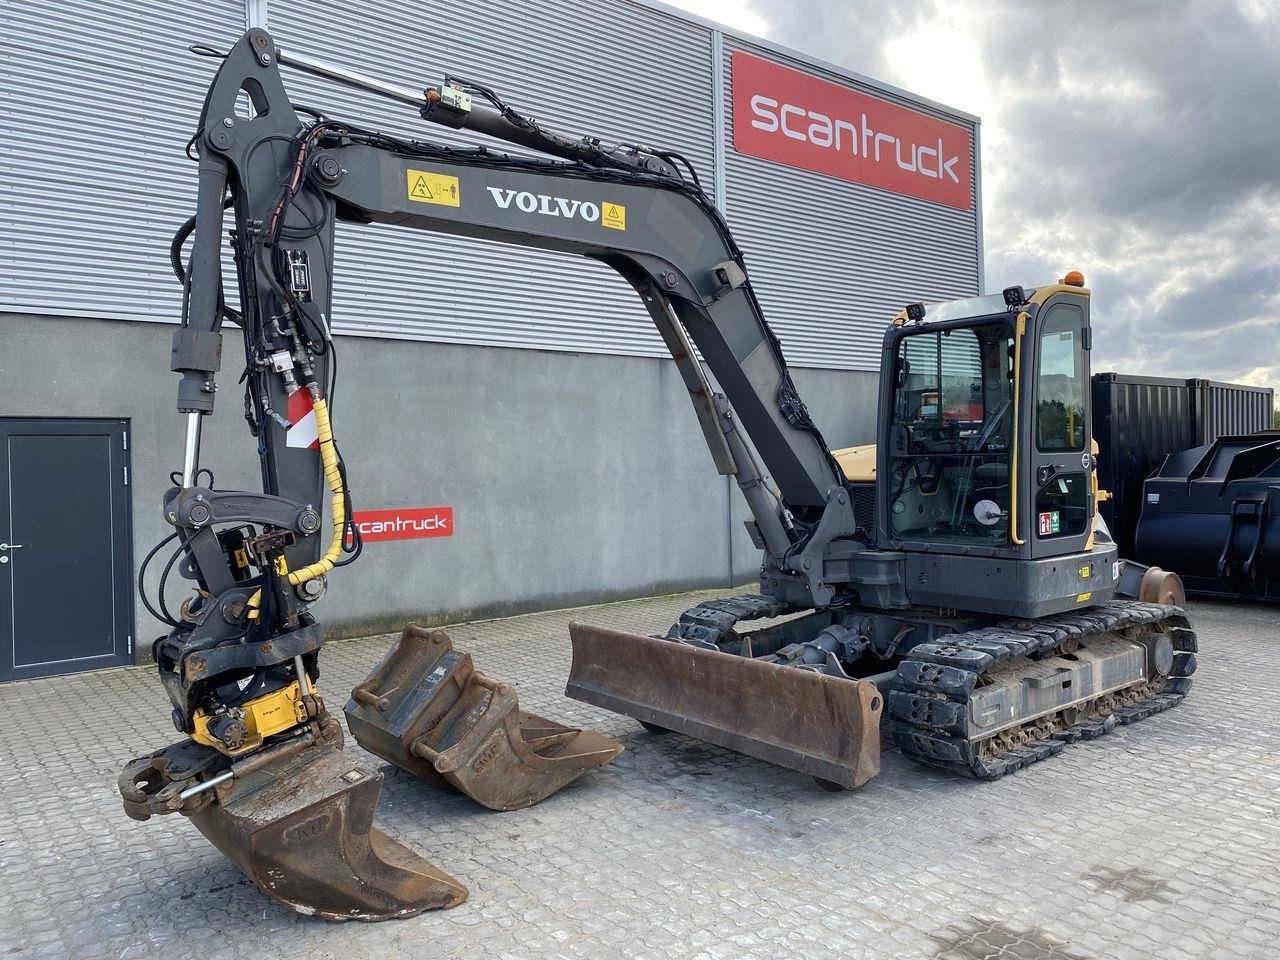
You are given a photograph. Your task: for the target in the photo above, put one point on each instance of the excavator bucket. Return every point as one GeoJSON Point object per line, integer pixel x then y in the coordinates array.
{"type": "Point", "coordinates": [426, 709]}
{"type": "Point", "coordinates": [299, 824]}
{"type": "Point", "coordinates": [825, 726]}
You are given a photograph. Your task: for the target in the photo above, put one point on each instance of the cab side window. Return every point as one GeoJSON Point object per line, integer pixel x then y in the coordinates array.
{"type": "Point", "coordinates": [1060, 397]}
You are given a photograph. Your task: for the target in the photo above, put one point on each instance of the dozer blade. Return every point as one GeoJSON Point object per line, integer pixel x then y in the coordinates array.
{"type": "Point", "coordinates": [299, 824]}
{"type": "Point", "coordinates": [426, 709]}
{"type": "Point", "coordinates": [821, 725]}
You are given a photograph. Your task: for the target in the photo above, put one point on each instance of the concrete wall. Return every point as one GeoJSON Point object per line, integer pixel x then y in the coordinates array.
{"type": "Point", "coordinates": [574, 478]}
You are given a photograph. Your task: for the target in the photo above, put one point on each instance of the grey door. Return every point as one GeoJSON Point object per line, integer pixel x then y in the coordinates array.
{"type": "Point", "coordinates": [66, 602]}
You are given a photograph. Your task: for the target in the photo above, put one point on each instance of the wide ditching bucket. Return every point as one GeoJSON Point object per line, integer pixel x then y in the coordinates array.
{"type": "Point", "coordinates": [825, 726]}
{"type": "Point", "coordinates": [298, 821]}
{"type": "Point", "coordinates": [426, 709]}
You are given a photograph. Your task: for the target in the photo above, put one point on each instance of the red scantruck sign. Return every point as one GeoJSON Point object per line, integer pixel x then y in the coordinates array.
{"type": "Point", "coordinates": [796, 119]}
{"type": "Point", "coordinates": [406, 523]}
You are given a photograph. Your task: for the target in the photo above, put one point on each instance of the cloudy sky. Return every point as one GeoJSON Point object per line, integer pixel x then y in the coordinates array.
{"type": "Point", "coordinates": [1137, 141]}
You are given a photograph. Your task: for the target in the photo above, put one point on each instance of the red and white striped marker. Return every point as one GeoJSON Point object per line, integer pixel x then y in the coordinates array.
{"type": "Point", "coordinates": [303, 431]}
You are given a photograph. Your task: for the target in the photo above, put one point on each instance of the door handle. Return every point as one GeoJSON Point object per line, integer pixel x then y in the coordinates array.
{"type": "Point", "coordinates": [10, 546]}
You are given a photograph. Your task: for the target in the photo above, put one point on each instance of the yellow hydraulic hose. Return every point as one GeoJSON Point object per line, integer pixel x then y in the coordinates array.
{"type": "Point", "coordinates": [329, 458]}
{"type": "Point", "coordinates": [337, 505]}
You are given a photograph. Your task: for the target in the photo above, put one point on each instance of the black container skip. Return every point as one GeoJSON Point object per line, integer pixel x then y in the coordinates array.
{"type": "Point", "coordinates": [1138, 421]}
{"type": "Point", "coordinates": [1212, 513]}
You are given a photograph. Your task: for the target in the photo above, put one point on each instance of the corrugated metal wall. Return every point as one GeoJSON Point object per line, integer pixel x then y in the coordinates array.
{"type": "Point", "coordinates": [98, 100]}
{"type": "Point", "coordinates": [1224, 409]}
{"type": "Point", "coordinates": [1137, 421]}
{"type": "Point", "coordinates": [579, 66]}
{"type": "Point", "coordinates": [833, 261]}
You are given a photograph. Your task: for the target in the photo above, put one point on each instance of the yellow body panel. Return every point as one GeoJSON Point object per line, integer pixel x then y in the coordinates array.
{"type": "Point", "coordinates": [266, 716]}
{"type": "Point", "coordinates": [1048, 290]}
{"type": "Point", "coordinates": [858, 463]}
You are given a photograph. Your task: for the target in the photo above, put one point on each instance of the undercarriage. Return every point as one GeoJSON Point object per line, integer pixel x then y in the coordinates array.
{"type": "Point", "coordinates": [979, 699]}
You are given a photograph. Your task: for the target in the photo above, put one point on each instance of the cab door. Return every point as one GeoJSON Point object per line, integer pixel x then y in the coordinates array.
{"type": "Point", "coordinates": [1059, 488]}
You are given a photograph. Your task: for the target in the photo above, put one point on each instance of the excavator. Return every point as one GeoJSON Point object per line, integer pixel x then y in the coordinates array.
{"type": "Point", "coordinates": [950, 588]}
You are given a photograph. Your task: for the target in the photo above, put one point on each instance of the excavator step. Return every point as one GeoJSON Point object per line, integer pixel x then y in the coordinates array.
{"type": "Point", "coordinates": [297, 819]}
{"type": "Point", "coordinates": [426, 709]}
{"type": "Point", "coordinates": [825, 726]}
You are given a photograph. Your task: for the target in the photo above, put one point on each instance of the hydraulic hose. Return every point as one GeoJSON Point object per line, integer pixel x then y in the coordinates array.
{"type": "Point", "coordinates": [337, 506]}
{"type": "Point", "coordinates": [329, 458]}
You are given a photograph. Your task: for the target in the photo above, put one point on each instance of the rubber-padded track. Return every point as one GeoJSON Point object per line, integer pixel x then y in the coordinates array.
{"type": "Point", "coordinates": [712, 620]}
{"type": "Point", "coordinates": [926, 712]}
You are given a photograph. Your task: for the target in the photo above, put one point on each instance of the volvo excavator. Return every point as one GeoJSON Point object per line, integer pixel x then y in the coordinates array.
{"type": "Point", "coordinates": [952, 581]}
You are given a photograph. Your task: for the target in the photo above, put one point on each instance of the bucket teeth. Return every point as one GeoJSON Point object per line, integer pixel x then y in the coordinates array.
{"type": "Point", "coordinates": [300, 826]}
{"type": "Point", "coordinates": [825, 726]}
{"type": "Point", "coordinates": [426, 709]}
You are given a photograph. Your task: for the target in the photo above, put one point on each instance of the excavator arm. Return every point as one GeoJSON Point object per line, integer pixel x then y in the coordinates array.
{"type": "Point", "coordinates": [240, 663]}
{"type": "Point", "coordinates": [626, 207]}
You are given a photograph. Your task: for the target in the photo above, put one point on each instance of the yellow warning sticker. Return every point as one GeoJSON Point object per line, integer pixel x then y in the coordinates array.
{"type": "Point", "coordinates": [613, 216]}
{"type": "Point", "coordinates": [1086, 572]}
{"type": "Point", "coordinates": [427, 187]}
{"type": "Point", "coordinates": [1084, 597]}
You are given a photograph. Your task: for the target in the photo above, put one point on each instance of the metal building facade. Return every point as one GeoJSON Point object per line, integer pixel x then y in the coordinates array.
{"type": "Point", "coordinates": [526, 390]}
{"type": "Point", "coordinates": [96, 179]}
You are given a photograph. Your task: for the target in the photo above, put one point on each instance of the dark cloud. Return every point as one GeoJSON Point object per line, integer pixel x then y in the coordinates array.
{"type": "Point", "coordinates": [1138, 141]}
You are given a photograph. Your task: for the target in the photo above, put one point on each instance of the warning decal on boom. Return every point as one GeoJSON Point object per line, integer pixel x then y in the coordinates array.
{"type": "Point", "coordinates": [427, 187]}
{"type": "Point", "coordinates": [613, 215]}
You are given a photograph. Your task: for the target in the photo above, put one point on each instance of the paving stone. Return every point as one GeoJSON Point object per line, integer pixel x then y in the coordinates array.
{"type": "Point", "coordinates": [1161, 840]}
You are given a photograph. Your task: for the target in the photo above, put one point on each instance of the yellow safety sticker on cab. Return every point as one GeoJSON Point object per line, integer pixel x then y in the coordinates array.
{"type": "Point", "coordinates": [1086, 571]}
{"type": "Point", "coordinates": [426, 186]}
{"type": "Point", "coordinates": [613, 216]}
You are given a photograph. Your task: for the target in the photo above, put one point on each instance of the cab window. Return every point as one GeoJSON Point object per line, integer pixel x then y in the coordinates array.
{"type": "Point", "coordinates": [951, 435]}
{"type": "Point", "coordinates": [1060, 390]}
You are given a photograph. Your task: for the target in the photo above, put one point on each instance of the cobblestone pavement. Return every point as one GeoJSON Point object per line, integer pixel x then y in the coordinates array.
{"type": "Point", "coordinates": [1162, 840]}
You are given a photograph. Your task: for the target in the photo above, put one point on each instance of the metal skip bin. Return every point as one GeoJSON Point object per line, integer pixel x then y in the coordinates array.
{"type": "Point", "coordinates": [1211, 513]}
{"type": "Point", "coordinates": [1138, 421]}
{"type": "Point", "coordinates": [825, 726]}
{"type": "Point", "coordinates": [426, 709]}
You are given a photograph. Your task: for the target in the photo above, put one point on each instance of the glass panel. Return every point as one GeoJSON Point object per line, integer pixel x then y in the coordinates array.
{"type": "Point", "coordinates": [1060, 403]}
{"type": "Point", "coordinates": [952, 433]}
{"type": "Point", "coordinates": [1062, 506]}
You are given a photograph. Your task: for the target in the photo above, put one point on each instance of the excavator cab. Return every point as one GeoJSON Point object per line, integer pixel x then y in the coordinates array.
{"type": "Point", "coordinates": [985, 411]}
{"type": "Point", "coordinates": [986, 461]}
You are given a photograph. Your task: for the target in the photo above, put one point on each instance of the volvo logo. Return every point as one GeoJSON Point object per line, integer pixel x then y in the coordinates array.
{"type": "Point", "coordinates": [611, 215]}
{"type": "Point", "coordinates": [545, 205]}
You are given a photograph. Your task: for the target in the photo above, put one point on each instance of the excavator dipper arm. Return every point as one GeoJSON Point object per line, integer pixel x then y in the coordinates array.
{"type": "Point", "coordinates": [240, 664]}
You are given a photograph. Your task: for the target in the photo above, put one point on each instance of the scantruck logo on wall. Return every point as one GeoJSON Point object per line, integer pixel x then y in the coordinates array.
{"type": "Point", "coordinates": [405, 523]}
{"type": "Point", "coordinates": [796, 119]}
